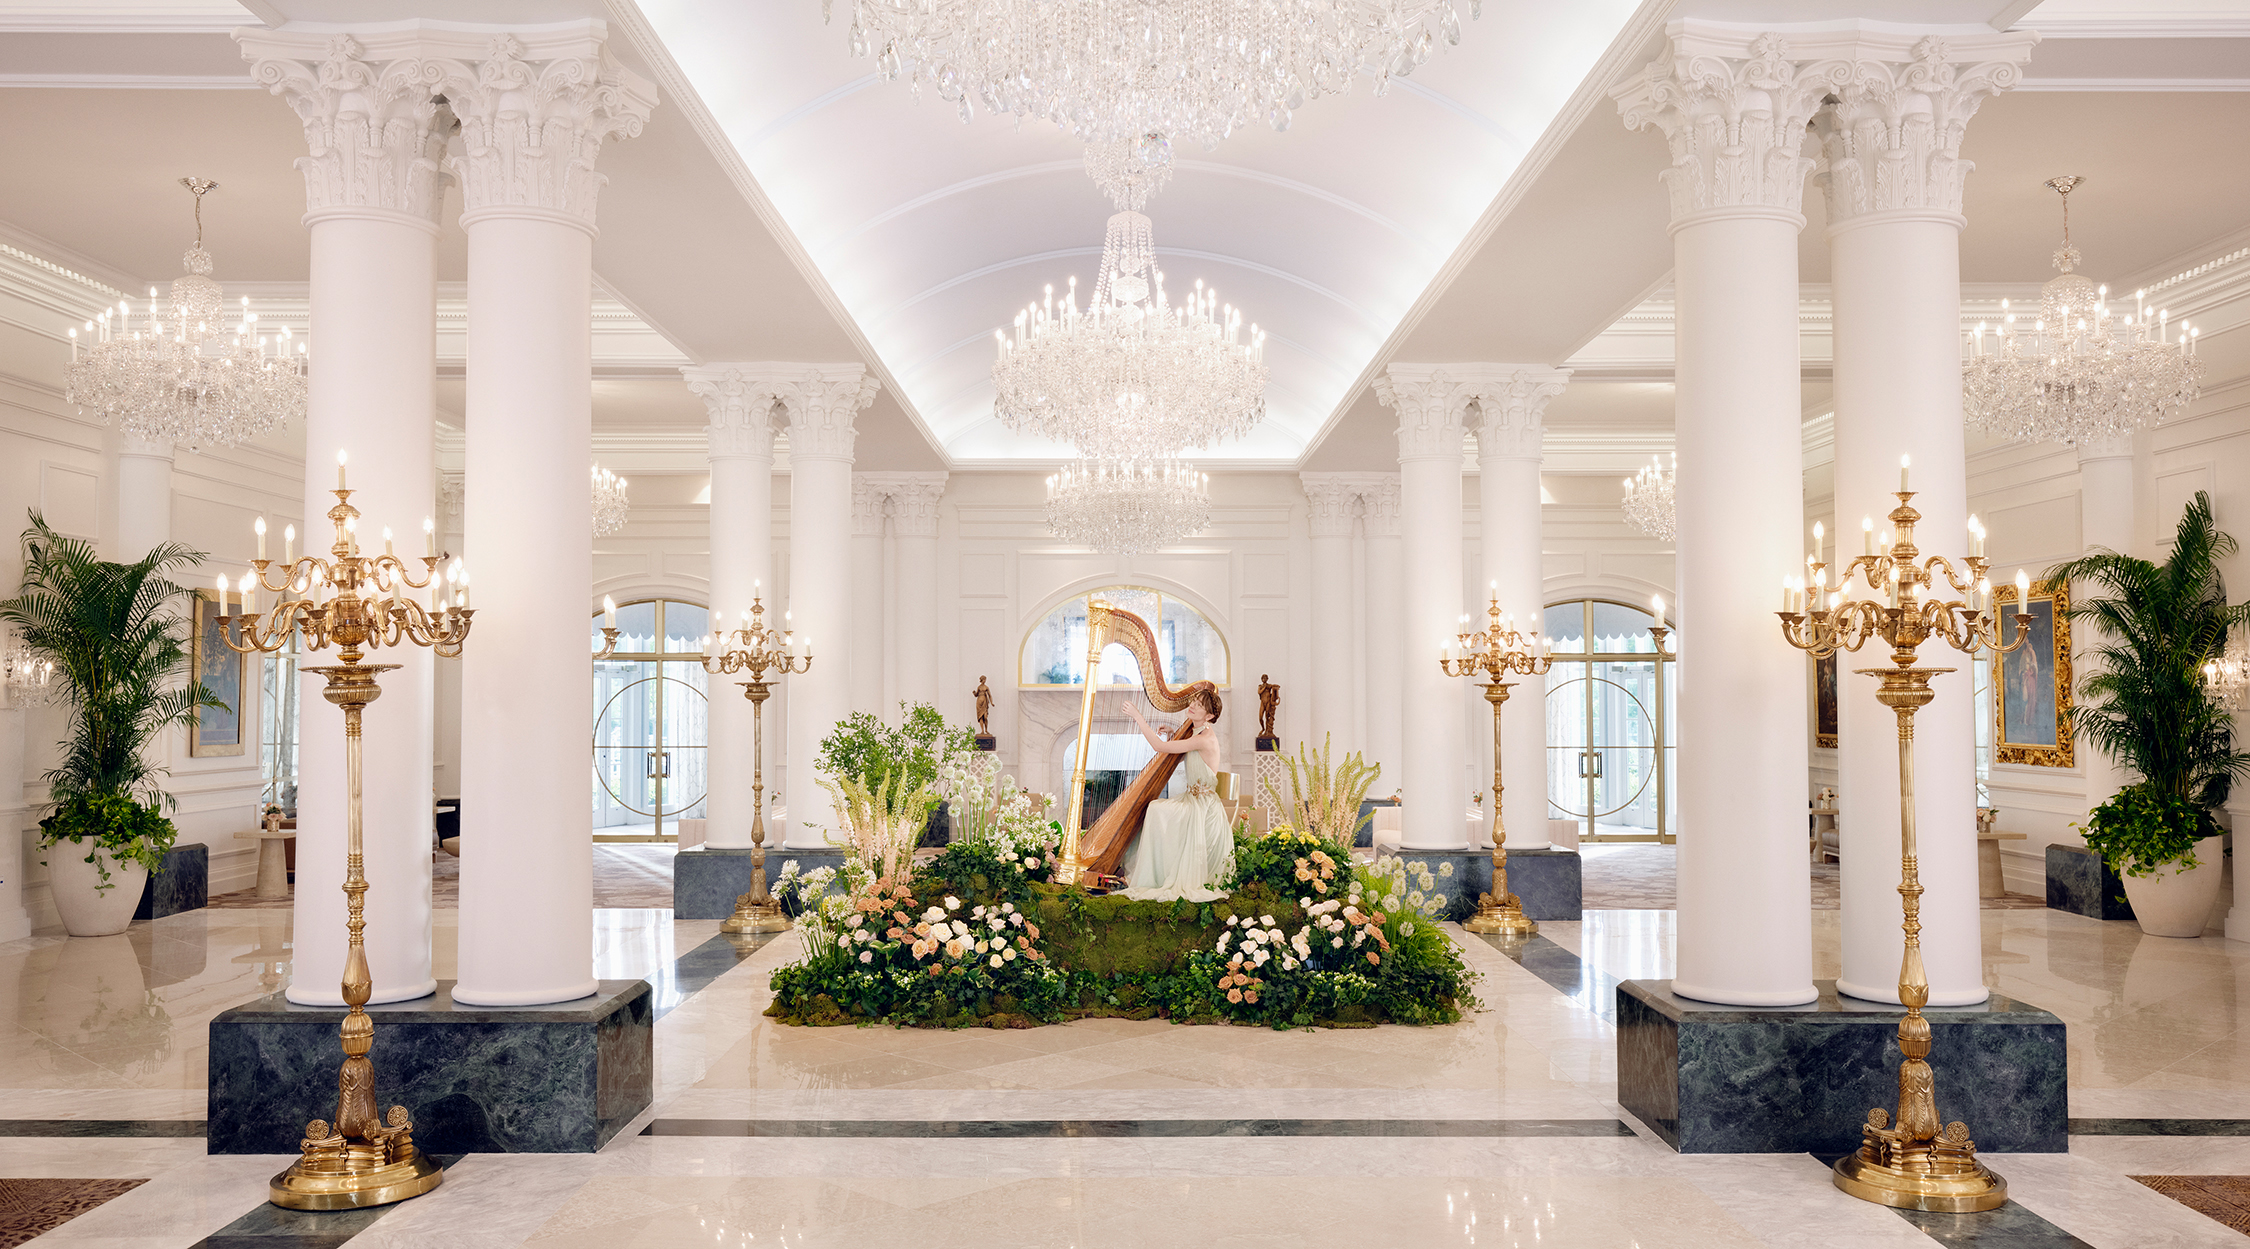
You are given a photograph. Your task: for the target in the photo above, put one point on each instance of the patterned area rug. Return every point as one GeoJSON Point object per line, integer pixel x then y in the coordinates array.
{"type": "Point", "coordinates": [2222, 1197]}
{"type": "Point", "coordinates": [1639, 877]}
{"type": "Point", "coordinates": [30, 1208]}
{"type": "Point", "coordinates": [625, 875]}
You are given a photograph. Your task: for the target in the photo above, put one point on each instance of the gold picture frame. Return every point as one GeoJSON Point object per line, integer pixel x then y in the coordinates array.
{"type": "Point", "coordinates": [2031, 684]}
{"type": "Point", "coordinates": [1827, 729]}
{"type": "Point", "coordinates": [219, 732]}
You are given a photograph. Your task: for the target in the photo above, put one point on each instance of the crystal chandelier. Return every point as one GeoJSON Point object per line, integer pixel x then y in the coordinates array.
{"type": "Point", "coordinates": [198, 383]}
{"type": "Point", "coordinates": [1648, 500]}
{"type": "Point", "coordinates": [1131, 169]}
{"type": "Point", "coordinates": [1186, 69]}
{"type": "Point", "coordinates": [29, 677]}
{"type": "Point", "coordinates": [2082, 373]}
{"type": "Point", "coordinates": [609, 502]}
{"type": "Point", "coordinates": [1124, 507]}
{"type": "Point", "coordinates": [1132, 376]}
{"type": "Point", "coordinates": [2227, 678]}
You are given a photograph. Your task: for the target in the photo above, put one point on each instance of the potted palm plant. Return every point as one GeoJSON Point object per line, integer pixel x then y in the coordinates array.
{"type": "Point", "coordinates": [2146, 707]}
{"type": "Point", "coordinates": [121, 653]}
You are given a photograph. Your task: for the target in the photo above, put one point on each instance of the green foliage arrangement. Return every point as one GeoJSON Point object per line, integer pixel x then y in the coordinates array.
{"type": "Point", "coordinates": [2145, 704]}
{"type": "Point", "coordinates": [1325, 796]}
{"type": "Point", "coordinates": [121, 652]}
{"type": "Point", "coordinates": [1287, 861]}
{"type": "Point", "coordinates": [975, 939]}
{"type": "Point", "coordinates": [869, 751]}
{"type": "Point", "coordinates": [2144, 828]}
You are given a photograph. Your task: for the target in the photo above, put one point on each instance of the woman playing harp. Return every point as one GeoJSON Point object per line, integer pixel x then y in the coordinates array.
{"type": "Point", "coordinates": [1166, 848]}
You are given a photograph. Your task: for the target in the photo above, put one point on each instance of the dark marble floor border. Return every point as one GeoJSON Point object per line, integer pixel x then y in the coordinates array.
{"type": "Point", "coordinates": [104, 1127]}
{"type": "Point", "coordinates": [1140, 1128]}
{"type": "Point", "coordinates": [2012, 1226]}
{"type": "Point", "coordinates": [2160, 1127]}
{"type": "Point", "coordinates": [1567, 973]}
{"type": "Point", "coordinates": [694, 971]}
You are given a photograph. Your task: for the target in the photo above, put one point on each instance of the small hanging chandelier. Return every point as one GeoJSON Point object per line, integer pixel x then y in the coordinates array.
{"type": "Point", "coordinates": [1124, 507]}
{"type": "Point", "coordinates": [186, 377]}
{"type": "Point", "coordinates": [1132, 376]}
{"type": "Point", "coordinates": [2082, 373]}
{"type": "Point", "coordinates": [29, 677]}
{"type": "Point", "coordinates": [1648, 501]}
{"type": "Point", "coordinates": [2227, 678]}
{"type": "Point", "coordinates": [610, 506]}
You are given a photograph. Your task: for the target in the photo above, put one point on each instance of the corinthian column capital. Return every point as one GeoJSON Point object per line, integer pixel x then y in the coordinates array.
{"type": "Point", "coordinates": [741, 400]}
{"type": "Point", "coordinates": [1732, 102]}
{"type": "Point", "coordinates": [1510, 402]}
{"type": "Point", "coordinates": [1431, 409]}
{"type": "Point", "coordinates": [535, 108]}
{"type": "Point", "coordinates": [830, 398]}
{"type": "Point", "coordinates": [914, 502]}
{"type": "Point", "coordinates": [1379, 504]}
{"type": "Point", "coordinates": [1332, 497]}
{"type": "Point", "coordinates": [373, 125]}
{"type": "Point", "coordinates": [1891, 137]}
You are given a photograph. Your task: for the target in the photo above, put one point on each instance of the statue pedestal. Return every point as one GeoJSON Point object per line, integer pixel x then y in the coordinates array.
{"type": "Point", "coordinates": [1269, 743]}
{"type": "Point", "coordinates": [986, 741]}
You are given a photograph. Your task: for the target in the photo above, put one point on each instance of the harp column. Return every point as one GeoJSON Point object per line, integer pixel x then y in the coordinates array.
{"type": "Point", "coordinates": [739, 399]}
{"type": "Point", "coordinates": [1329, 513]}
{"type": "Point", "coordinates": [373, 193]}
{"type": "Point", "coordinates": [1386, 630]}
{"type": "Point", "coordinates": [821, 437]}
{"type": "Point", "coordinates": [525, 164]}
{"type": "Point", "coordinates": [1429, 407]}
{"type": "Point", "coordinates": [1892, 172]}
{"type": "Point", "coordinates": [1511, 427]}
{"type": "Point", "coordinates": [1733, 107]}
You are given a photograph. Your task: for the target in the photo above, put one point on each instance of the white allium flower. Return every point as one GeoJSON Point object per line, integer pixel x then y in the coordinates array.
{"type": "Point", "coordinates": [1446, 868]}
{"type": "Point", "coordinates": [1414, 898]}
{"type": "Point", "coordinates": [1406, 929]}
{"type": "Point", "coordinates": [1391, 902]}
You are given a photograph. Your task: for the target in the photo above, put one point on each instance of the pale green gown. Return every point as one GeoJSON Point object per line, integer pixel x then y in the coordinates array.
{"type": "Point", "coordinates": [1185, 848]}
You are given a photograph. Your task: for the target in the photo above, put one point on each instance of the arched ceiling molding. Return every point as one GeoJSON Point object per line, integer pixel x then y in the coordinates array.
{"type": "Point", "coordinates": [804, 110]}
{"type": "Point", "coordinates": [1291, 185]}
{"type": "Point", "coordinates": [1284, 391]}
{"type": "Point", "coordinates": [1319, 360]}
{"type": "Point", "coordinates": [1463, 111]}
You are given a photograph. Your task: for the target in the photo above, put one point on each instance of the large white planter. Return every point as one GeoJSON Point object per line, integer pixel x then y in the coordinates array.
{"type": "Point", "coordinates": [2175, 903]}
{"type": "Point", "coordinates": [86, 912]}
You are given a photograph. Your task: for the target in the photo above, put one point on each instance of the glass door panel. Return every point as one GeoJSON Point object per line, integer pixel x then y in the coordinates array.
{"type": "Point", "coordinates": [1569, 791]}
{"type": "Point", "coordinates": [1610, 701]}
{"type": "Point", "coordinates": [1621, 745]}
{"type": "Point", "coordinates": [651, 747]}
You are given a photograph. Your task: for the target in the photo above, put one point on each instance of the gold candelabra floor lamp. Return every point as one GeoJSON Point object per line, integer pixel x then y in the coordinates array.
{"type": "Point", "coordinates": [1909, 1160]}
{"type": "Point", "coordinates": [1495, 652]}
{"type": "Point", "coordinates": [357, 603]}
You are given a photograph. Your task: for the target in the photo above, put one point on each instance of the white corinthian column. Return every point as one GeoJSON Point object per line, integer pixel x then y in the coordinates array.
{"type": "Point", "coordinates": [374, 129]}
{"type": "Point", "coordinates": [829, 399]}
{"type": "Point", "coordinates": [914, 535]}
{"type": "Point", "coordinates": [1330, 498]}
{"type": "Point", "coordinates": [1732, 106]}
{"type": "Point", "coordinates": [535, 108]}
{"type": "Point", "coordinates": [1430, 407]}
{"type": "Point", "coordinates": [1892, 171]}
{"type": "Point", "coordinates": [1384, 671]}
{"type": "Point", "coordinates": [740, 399]}
{"type": "Point", "coordinates": [1511, 404]}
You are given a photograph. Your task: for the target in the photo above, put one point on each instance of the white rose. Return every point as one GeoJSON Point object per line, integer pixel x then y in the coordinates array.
{"type": "Point", "coordinates": [952, 903]}
{"type": "Point", "coordinates": [933, 915]}
{"type": "Point", "coordinates": [1007, 907]}
{"type": "Point", "coordinates": [995, 958]}
{"type": "Point", "coordinates": [1267, 920]}
{"type": "Point", "coordinates": [1009, 954]}
{"type": "Point", "coordinates": [867, 956]}
{"type": "Point", "coordinates": [1338, 943]}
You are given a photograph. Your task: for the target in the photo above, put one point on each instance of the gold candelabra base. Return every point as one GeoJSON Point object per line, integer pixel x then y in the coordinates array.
{"type": "Point", "coordinates": [752, 916]}
{"type": "Point", "coordinates": [756, 911]}
{"type": "Point", "coordinates": [1940, 1175]}
{"type": "Point", "coordinates": [1503, 915]}
{"type": "Point", "coordinates": [352, 1175]}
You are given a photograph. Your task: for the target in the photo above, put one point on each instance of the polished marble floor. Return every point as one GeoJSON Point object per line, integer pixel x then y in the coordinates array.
{"type": "Point", "coordinates": [1503, 1130]}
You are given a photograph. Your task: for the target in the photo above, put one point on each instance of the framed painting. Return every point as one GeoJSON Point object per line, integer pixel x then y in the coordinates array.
{"type": "Point", "coordinates": [1826, 716]}
{"type": "Point", "coordinates": [2033, 703]}
{"type": "Point", "coordinates": [218, 731]}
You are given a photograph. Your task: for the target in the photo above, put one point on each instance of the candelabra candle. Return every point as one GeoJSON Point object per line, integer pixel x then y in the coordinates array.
{"type": "Point", "coordinates": [1912, 1162]}
{"type": "Point", "coordinates": [361, 1159]}
{"type": "Point", "coordinates": [1499, 650]}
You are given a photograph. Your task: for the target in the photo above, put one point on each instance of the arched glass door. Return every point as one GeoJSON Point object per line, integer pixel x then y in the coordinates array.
{"type": "Point", "coordinates": [651, 740]}
{"type": "Point", "coordinates": [1609, 724]}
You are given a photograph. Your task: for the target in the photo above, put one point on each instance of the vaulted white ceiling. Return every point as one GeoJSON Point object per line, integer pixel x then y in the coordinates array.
{"type": "Point", "coordinates": [934, 233]}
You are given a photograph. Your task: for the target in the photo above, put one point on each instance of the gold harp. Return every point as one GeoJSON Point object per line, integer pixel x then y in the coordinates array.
{"type": "Point", "coordinates": [1099, 850]}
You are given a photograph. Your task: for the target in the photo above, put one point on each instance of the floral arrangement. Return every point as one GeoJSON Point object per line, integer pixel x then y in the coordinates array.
{"type": "Point", "coordinates": [881, 824]}
{"type": "Point", "coordinates": [1325, 795]}
{"type": "Point", "coordinates": [129, 830]}
{"type": "Point", "coordinates": [980, 936]}
{"type": "Point", "coordinates": [996, 811]}
{"type": "Point", "coordinates": [869, 751]}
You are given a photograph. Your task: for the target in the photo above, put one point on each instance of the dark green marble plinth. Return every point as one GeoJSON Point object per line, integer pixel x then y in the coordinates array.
{"type": "Point", "coordinates": [1714, 1079]}
{"type": "Point", "coordinates": [2080, 883]}
{"type": "Point", "coordinates": [182, 884]}
{"type": "Point", "coordinates": [706, 880]}
{"type": "Point", "coordinates": [560, 1078]}
{"type": "Point", "coordinates": [1549, 882]}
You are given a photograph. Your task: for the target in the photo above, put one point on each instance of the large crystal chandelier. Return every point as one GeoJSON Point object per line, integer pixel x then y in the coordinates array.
{"type": "Point", "coordinates": [29, 676]}
{"type": "Point", "coordinates": [1123, 507]}
{"type": "Point", "coordinates": [1184, 69]}
{"type": "Point", "coordinates": [610, 506]}
{"type": "Point", "coordinates": [1131, 376]}
{"type": "Point", "coordinates": [2227, 677]}
{"type": "Point", "coordinates": [1648, 501]}
{"type": "Point", "coordinates": [2082, 373]}
{"type": "Point", "coordinates": [188, 377]}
